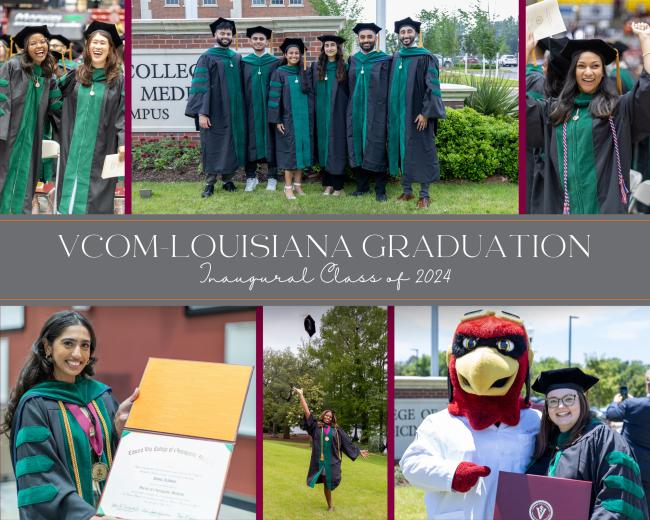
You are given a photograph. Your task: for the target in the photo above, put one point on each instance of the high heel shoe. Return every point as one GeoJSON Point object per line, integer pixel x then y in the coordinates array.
{"type": "Point", "coordinates": [297, 187]}
{"type": "Point", "coordinates": [288, 192]}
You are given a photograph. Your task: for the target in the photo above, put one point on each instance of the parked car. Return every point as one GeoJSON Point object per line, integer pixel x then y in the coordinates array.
{"type": "Point", "coordinates": [508, 60]}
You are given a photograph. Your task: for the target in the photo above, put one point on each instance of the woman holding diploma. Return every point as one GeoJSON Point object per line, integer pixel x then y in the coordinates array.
{"type": "Point", "coordinates": [328, 441]}
{"type": "Point", "coordinates": [92, 124]}
{"type": "Point", "coordinates": [63, 425]}
{"type": "Point", "coordinates": [571, 444]}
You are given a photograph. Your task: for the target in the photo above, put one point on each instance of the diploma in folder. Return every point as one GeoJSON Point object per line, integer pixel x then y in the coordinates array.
{"type": "Point", "coordinates": [173, 458]}
{"type": "Point", "coordinates": [533, 497]}
{"type": "Point", "coordinates": [113, 167]}
{"type": "Point", "coordinates": [544, 19]}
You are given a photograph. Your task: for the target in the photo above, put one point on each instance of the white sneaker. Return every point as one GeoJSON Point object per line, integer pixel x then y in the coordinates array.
{"type": "Point", "coordinates": [251, 183]}
{"type": "Point", "coordinates": [271, 184]}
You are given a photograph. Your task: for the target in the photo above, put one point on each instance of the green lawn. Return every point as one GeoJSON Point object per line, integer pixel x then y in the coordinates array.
{"type": "Point", "coordinates": [409, 503]}
{"type": "Point", "coordinates": [361, 494]}
{"type": "Point", "coordinates": [452, 198]}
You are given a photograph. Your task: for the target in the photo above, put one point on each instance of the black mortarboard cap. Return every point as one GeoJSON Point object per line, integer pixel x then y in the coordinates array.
{"type": "Point", "coordinates": [332, 38]}
{"type": "Point", "coordinates": [259, 29]}
{"type": "Point", "coordinates": [26, 32]}
{"type": "Point", "coordinates": [310, 325]}
{"type": "Point", "coordinates": [556, 61]}
{"type": "Point", "coordinates": [58, 56]}
{"type": "Point", "coordinates": [408, 21]}
{"type": "Point", "coordinates": [219, 21]}
{"type": "Point", "coordinates": [620, 47]}
{"type": "Point", "coordinates": [563, 378]}
{"type": "Point", "coordinates": [292, 42]}
{"type": "Point", "coordinates": [106, 27]}
{"type": "Point", "coordinates": [366, 27]}
{"type": "Point", "coordinates": [61, 38]}
{"type": "Point", "coordinates": [598, 46]}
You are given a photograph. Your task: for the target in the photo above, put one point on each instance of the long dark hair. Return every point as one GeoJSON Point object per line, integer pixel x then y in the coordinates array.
{"type": "Point", "coordinates": [304, 82]}
{"type": "Point", "coordinates": [341, 75]}
{"type": "Point", "coordinates": [38, 367]}
{"type": "Point", "coordinates": [548, 431]}
{"type": "Point", "coordinates": [48, 65]}
{"type": "Point", "coordinates": [111, 69]}
{"type": "Point", "coordinates": [602, 105]}
{"type": "Point", "coordinates": [320, 418]}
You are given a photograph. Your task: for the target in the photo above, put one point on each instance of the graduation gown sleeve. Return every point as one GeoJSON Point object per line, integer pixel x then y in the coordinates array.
{"type": "Point", "coordinates": [5, 102]}
{"type": "Point", "coordinates": [198, 102]}
{"type": "Point", "coordinates": [636, 106]}
{"type": "Point", "coordinates": [432, 105]}
{"type": "Point", "coordinates": [45, 488]}
{"type": "Point", "coordinates": [275, 98]}
{"type": "Point", "coordinates": [352, 451]}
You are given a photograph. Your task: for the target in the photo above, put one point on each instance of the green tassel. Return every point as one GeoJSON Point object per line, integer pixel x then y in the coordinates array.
{"type": "Point", "coordinates": [36, 495]}
{"type": "Point", "coordinates": [618, 457]}
{"type": "Point", "coordinates": [35, 464]}
{"type": "Point", "coordinates": [621, 506]}
{"type": "Point", "coordinates": [32, 434]}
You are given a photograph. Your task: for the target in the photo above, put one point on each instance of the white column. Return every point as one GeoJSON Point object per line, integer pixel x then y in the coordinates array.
{"type": "Point", "coordinates": [236, 11]}
{"type": "Point", "coordinates": [191, 9]}
{"type": "Point", "coordinates": [381, 22]}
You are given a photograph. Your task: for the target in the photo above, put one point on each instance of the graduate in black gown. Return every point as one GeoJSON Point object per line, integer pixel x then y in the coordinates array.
{"type": "Point", "coordinates": [571, 444]}
{"type": "Point", "coordinates": [28, 97]}
{"type": "Point", "coordinates": [291, 110]}
{"type": "Point", "coordinates": [328, 442]}
{"type": "Point", "coordinates": [216, 103]}
{"type": "Point", "coordinates": [92, 124]}
{"type": "Point", "coordinates": [588, 132]}
{"type": "Point", "coordinates": [61, 47]}
{"type": "Point", "coordinates": [257, 69]}
{"type": "Point", "coordinates": [330, 79]}
{"type": "Point", "coordinates": [543, 82]}
{"type": "Point", "coordinates": [368, 76]}
{"type": "Point", "coordinates": [63, 425]}
{"type": "Point", "coordinates": [414, 107]}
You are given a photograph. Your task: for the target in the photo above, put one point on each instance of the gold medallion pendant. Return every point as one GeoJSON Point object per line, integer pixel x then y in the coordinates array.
{"type": "Point", "coordinates": [99, 471]}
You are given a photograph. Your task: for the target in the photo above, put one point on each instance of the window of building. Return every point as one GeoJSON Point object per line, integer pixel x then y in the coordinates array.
{"type": "Point", "coordinates": [258, 3]}
{"type": "Point", "coordinates": [172, 3]}
{"type": "Point", "coordinates": [277, 3]}
{"type": "Point", "coordinates": [210, 3]}
{"type": "Point", "coordinates": [295, 3]}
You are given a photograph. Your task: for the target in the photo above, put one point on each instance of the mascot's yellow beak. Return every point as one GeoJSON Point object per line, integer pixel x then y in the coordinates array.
{"type": "Point", "coordinates": [484, 371]}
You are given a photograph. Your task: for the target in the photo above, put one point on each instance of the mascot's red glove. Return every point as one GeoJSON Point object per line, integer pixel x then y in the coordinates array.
{"type": "Point", "coordinates": [467, 475]}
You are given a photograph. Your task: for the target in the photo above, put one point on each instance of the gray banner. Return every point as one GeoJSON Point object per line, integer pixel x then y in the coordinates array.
{"type": "Point", "coordinates": [344, 259]}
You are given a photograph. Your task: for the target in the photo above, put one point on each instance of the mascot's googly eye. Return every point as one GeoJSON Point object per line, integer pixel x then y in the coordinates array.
{"type": "Point", "coordinates": [505, 345]}
{"type": "Point", "coordinates": [469, 343]}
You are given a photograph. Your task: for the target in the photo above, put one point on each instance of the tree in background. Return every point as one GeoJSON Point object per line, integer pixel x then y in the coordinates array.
{"type": "Point", "coordinates": [350, 9]}
{"type": "Point", "coordinates": [508, 32]}
{"type": "Point", "coordinates": [441, 32]}
{"type": "Point", "coordinates": [352, 353]}
{"type": "Point", "coordinates": [421, 365]}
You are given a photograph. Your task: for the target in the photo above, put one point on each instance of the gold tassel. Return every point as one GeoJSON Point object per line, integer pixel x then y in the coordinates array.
{"type": "Point", "coordinates": [70, 53]}
{"type": "Point", "coordinates": [11, 46]}
{"type": "Point", "coordinates": [304, 60]}
{"type": "Point", "coordinates": [236, 43]}
{"type": "Point", "coordinates": [420, 38]}
{"type": "Point", "coordinates": [619, 84]}
{"type": "Point", "coordinates": [378, 37]}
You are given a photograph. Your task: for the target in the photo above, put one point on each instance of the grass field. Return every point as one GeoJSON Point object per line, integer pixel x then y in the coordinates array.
{"type": "Point", "coordinates": [409, 503]}
{"type": "Point", "coordinates": [452, 198]}
{"type": "Point", "coordinates": [361, 494]}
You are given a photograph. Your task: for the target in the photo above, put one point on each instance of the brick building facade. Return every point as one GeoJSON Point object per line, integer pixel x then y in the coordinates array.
{"type": "Point", "coordinates": [181, 9]}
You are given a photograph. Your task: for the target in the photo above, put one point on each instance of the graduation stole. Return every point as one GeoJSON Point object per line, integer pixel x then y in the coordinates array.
{"type": "Point", "coordinates": [76, 178]}
{"type": "Point", "coordinates": [300, 116]}
{"type": "Point", "coordinates": [13, 194]}
{"type": "Point", "coordinates": [259, 95]}
{"type": "Point", "coordinates": [84, 392]}
{"type": "Point", "coordinates": [397, 108]}
{"type": "Point", "coordinates": [363, 70]}
{"type": "Point", "coordinates": [323, 110]}
{"type": "Point", "coordinates": [233, 82]}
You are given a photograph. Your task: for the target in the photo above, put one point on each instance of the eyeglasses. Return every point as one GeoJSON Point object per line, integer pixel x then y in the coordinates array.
{"type": "Point", "coordinates": [567, 400]}
{"type": "Point", "coordinates": [40, 43]}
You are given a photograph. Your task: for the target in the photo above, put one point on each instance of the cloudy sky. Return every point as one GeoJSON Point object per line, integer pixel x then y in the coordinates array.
{"type": "Point", "coordinates": [398, 9]}
{"type": "Point", "coordinates": [623, 332]}
{"type": "Point", "coordinates": [284, 326]}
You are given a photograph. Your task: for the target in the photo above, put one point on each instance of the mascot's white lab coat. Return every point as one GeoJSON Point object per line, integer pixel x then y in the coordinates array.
{"type": "Point", "coordinates": [443, 441]}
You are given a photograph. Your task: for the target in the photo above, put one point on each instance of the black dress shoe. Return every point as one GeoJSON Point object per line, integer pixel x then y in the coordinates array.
{"type": "Point", "coordinates": [208, 191]}
{"type": "Point", "coordinates": [381, 197]}
{"type": "Point", "coordinates": [229, 186]}
{"type": "Point", "coordinates": [359, 193]}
